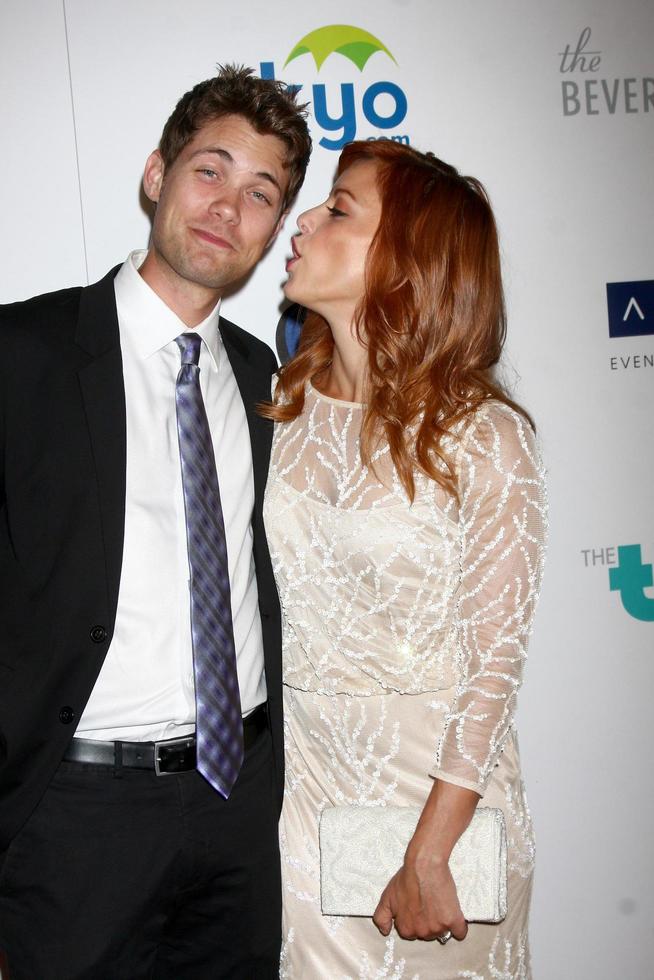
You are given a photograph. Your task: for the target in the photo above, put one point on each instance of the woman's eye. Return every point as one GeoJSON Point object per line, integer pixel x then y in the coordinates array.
{"type": "Point", "coordinates": [336, 213]}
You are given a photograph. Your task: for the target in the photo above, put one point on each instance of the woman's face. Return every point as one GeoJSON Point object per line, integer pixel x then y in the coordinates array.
{"type": "Point", "coordinates": [327, 270]}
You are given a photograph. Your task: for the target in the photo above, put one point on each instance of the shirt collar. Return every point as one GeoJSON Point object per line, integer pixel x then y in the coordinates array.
{"type": "Point", "coordinates": [151, 324]}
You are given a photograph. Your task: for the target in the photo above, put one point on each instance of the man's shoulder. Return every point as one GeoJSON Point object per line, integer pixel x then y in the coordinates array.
{"type": "Point", "coordinates": [41, 325]}
{"type": "Point", "coordinates": [52, 317]}
{"type": "Point", "coordinates": [39, 310]}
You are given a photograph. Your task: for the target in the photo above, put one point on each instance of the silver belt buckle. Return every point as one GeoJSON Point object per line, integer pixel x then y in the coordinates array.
{"type": "Point", "coordinates": [187, 741]}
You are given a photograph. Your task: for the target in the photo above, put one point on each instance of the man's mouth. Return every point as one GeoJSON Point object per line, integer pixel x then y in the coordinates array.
{"type": "Point", "coordinates": [216, 240]}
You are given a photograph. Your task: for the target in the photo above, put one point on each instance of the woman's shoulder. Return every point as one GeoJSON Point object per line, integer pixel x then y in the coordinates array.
{"type": "Point", "coordinates": [493, 421]}
{"type": "Point", "coordinates": [498, 435]}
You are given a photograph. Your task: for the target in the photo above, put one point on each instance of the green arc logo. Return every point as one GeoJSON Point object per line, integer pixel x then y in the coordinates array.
{"type": "Point", "coordinates": [352, 42]}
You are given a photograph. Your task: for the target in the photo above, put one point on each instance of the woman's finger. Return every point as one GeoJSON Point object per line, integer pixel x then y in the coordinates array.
{"type": "Point", "coordinates": [459, 929]}
{"type": "Point", "coordinates": [383, 917]}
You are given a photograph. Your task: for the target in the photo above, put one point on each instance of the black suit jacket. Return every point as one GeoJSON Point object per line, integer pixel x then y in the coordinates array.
{"type": "Point", "coordinates": [62, 516]}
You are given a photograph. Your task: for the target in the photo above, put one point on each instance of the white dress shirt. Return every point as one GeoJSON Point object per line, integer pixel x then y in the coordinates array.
{"type": "Point", "coordinates": [145, 690]}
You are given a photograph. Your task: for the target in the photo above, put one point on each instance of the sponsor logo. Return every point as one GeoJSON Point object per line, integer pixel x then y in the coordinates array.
{"type": "Point", "coordinates": [630, 579]}
{"type": "Point", "coordinates": [588, 94]}
{"type": "Point", "coordinates": [630, 308]}
{"type": "Point", "coordinates": [351, 42]}
{"type": "Point", "coordinates": [342, 108]}
{"type": "Point", "coordinates": [629, 575]}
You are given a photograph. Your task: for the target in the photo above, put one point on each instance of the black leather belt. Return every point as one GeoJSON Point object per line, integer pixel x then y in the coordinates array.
{"type": "Point", "coordinates": [170, 756]}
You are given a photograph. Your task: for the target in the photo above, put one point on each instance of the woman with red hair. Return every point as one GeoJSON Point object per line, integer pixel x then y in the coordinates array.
{"type": "Point", "coordinates": [405, 512]}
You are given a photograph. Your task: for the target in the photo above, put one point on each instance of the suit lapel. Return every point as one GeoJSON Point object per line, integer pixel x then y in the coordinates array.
{"type": "Point", "coordinates": [103, 394]}
{"type": "Point", "coordinates": [254, 386]}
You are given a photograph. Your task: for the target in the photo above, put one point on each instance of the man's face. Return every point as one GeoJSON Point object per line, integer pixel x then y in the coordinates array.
{"type": "Point", "coordinates": [218, 206]}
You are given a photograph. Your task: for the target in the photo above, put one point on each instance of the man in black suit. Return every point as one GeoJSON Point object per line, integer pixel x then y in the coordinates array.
{"type": "Point", "coordinates": [118, 858]}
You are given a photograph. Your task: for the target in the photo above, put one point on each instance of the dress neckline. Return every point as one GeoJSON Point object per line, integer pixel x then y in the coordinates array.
{"type": "Point", "coordinates": [334, 401]}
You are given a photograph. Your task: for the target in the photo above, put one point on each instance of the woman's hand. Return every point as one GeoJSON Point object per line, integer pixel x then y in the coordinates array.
{"type": "Point", "coordinates": [422, 900]}
{"type": "Point", "coordinates": [421, 897]}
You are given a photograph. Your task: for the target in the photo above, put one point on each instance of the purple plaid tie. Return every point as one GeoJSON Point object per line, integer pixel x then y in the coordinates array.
{"type": "Point", "coordinates": [219, 722]}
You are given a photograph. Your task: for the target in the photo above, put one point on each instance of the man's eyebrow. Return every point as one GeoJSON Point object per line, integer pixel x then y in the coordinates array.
{"type": "Point", "coordinates": [228, 158]}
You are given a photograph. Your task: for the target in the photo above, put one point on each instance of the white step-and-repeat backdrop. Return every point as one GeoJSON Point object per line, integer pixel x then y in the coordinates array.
{"type": "Point", "coordinates": [552, 106]}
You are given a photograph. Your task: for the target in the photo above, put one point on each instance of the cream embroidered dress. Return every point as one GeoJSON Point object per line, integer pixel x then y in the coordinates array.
{"type": "Point", "coordinates": [405, 630]}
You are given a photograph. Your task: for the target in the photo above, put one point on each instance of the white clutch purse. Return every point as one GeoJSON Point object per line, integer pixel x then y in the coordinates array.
{"type": "Point", "coordinates": [361, 848]}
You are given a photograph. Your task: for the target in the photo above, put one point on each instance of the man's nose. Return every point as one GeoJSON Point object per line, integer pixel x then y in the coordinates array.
{"type": "Point", "coordinates": [226, 204]}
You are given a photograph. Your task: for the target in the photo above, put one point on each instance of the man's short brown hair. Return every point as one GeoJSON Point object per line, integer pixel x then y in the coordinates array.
{"type": "Point", "coordinates": [268, 105]}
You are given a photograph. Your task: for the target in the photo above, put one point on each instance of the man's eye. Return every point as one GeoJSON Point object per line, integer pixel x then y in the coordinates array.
{"type": "Point", "coordinates": [208, 172]}
{"type": "Point", "coordinates": [336, 213]}
{"type": "Point", "coordinates": [260, 196]}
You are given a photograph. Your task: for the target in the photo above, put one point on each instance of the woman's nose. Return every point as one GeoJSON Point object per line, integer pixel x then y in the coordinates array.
{"type": "Point", "coordinates": [302, 222]}
{"type": "Point", "coordinates": [306, 220]}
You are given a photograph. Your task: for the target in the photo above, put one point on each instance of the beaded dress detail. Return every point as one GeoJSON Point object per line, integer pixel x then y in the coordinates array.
{"type": "Point", "coordinates": [405, 629]}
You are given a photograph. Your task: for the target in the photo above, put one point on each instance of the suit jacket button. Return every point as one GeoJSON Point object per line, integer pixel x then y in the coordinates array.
{"type": "Point", "coordinates": [66, 715]}
{"type": "Point", "coordinates": [98, 634]}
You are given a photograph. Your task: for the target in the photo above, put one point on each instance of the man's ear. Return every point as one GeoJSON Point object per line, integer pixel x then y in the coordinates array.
{"type": "Point", "coordinates": [278, 227]}
{"type": "Point", "coordinates": [153, 176]}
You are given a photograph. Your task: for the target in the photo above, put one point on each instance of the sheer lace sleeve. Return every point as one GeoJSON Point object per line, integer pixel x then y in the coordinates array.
{"type": "Point", "coordinates": [503, 517]}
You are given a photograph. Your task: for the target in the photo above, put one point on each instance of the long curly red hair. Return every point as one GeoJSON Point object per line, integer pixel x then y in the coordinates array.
{"type": "Point", "coordinates": [432, 316]}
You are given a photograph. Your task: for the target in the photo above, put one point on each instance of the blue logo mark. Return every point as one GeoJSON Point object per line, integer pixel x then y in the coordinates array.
{"type": "Point", "coordinates": [630, 578]}
{"type": "Point", "coordinates": [631, 308]}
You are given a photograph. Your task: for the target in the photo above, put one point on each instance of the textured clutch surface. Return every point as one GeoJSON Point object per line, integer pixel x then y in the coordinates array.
{"type": "Point", "coordinates": [361, 848]}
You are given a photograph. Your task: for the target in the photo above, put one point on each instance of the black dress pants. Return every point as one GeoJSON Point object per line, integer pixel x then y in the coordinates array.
{"type": "Point", "coordinates": [124, 875]}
